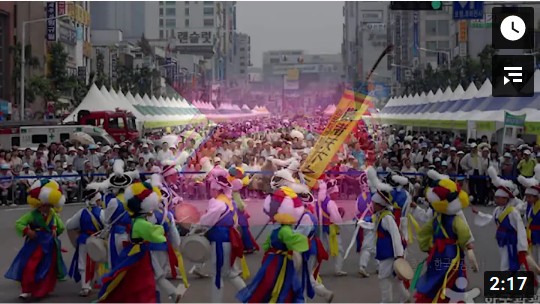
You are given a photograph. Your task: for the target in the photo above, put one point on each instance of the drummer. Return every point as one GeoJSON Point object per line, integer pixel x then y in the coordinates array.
{"type": "Point", "coordinates": [388, 245]}
{"type": "Point", "coordinates": [87, 221]}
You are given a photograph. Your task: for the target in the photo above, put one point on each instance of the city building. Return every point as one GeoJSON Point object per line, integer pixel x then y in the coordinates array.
{"type": "Point", "coordinates": [201, 28]}
{"type": "Point", "coordinates": [365, 36]}
{"type": "Point", "coordinates": [313, 70]}
{"type": "Point", "coordinates": [125, 16]}
{"type": "Point", "coordinates": [241, 59]}
{"type": "Point", "coordinates": [7, 18]}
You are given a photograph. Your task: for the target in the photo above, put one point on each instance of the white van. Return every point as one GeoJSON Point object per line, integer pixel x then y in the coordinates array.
{"type": "Point", "coordinates": [32, 137]}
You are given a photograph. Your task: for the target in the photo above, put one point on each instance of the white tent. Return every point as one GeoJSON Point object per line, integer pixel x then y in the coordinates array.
{"type": "Point", "coordinates": [93, 101]}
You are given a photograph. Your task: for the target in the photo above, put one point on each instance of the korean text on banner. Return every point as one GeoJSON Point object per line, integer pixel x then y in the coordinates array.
{"type": "Point", "coordinates": [348, 112]}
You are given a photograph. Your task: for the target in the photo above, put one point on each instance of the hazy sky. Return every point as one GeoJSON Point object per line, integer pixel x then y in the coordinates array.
{"type": "Point", "coordinates": [315, 27]}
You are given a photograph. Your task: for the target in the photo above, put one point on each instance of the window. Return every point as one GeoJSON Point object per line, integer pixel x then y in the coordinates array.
{"type": "Point", "coordinates": [160, 34]}
{"type": "Point", "coordinates": [64, 137]}
{"type": "Point", "coordinates": [208, 11]}
{"type": "Point", "coordinates": [160, 22]}
{"type": "Point", "coordinates": [187, 2]}
{"type": "Point", "coordinates": [161, 2]}
{"type": "Point", "coordinates": [242, 49]}
{"type": "Point", "coordinates": [274, 60]}
{"type": "Point", "coordinates": [208, 22]}
{"type": "Point", "coordinates": [170, 2]}
{"type": "Point", "coordinates": [16, 141]}
{"type": "Point", "coordinates": [186, 11]}
{"type": "Point", "coordinates": [160, 12]}
{"type": "Point", "coordinates": [170, 11]}
{"type": "Point", "coordinates": [443, 45]}
{"type": "Point", "coordinates": [242, 71]}
{"type": "Point", "coordinates": [116, 123]}
{"type": "Point", "coordinates": [431, 27]}
{"type": "Point", "coordinates": [208, 2]}
{"type": "Point", "coordinates": [443, 27]}
{"type": "Point", "coordinates": [186, 23]}
{"type": "Point", "coordinates": [242, 64]}
{"type": "Point", "coordinates": [170, 23]}
{"type": "Point", "coordinates": [39, 139]}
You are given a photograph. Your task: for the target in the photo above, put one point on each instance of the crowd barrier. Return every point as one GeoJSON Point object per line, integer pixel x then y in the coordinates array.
{"type": "Point", "coordinates": [16, 193]}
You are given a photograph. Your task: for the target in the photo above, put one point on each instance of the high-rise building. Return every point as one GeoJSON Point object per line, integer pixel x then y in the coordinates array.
{"type": "Point", "coordinates": [365, 36]}
{"type": "Point", "coordinates": [242, 58]}
{"type": "Point", "coordinates": [7, 17]}
{"type": "Point", "coordinates": [202, 28]}
{"type": "Point", "coordinates": [127, 16]}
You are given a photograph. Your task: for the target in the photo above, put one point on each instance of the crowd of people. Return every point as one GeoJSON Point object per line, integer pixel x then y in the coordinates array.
{"type": "Point", "coordinates": [142, 185]}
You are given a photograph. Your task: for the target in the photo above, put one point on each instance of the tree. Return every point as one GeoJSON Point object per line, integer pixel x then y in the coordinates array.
{"type": "Point", "coordinates": [100, 77]}
{"type": "Point", "coordinates": [57, 70]}
{"type": "Point", "coordinates": [30, 62]}
{"type": "Point", "coordinates": [145, 46]}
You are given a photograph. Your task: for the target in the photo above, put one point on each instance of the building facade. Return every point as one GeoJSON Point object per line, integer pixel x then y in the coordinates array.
{"type": "Point", "coordinates": [7, 40]}
{"type": "Point", "coordinates": [201, 28]}
{"type": "Point", "coordinates": [241, 59]}
{"type": "Point", "coordinates": [365, 36]}
{"type": "Point", "coordinates": [125, 16]}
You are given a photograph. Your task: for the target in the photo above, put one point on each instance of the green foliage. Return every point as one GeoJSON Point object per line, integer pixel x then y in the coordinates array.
{"type": "Point", "coordinates": [57, 69]}
{"type": "Point", "coordinates": [145, 46]}
{"type": "Point", "coordinates": [100, 78]}
{"type": "Point", "coordinates": [40, 86]}
{"type": "Point", "coordinates": [30, 62]}
{"type": "Point", "coordinates": [463, 71]}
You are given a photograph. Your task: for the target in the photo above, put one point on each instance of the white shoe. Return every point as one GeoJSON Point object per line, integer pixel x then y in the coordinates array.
{"type": "Point", "coordinates": [340, 273]}
{"type": "Point", "coordinates": [197, 271]}
{"type": "Point", "coordinates": [24, 296]}
{"type": "Point", "coordinates": [13, 205]}
{"type": "Point", "coordinates": [363, 273]}
{"type": "Point", "coordinates": [84, 292]}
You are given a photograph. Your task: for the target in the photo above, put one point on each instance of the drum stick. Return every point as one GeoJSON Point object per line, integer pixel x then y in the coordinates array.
{"type": "Point", "coordinates": [356, 232]}
{"type": "Point", "coordinates": [262, 230]}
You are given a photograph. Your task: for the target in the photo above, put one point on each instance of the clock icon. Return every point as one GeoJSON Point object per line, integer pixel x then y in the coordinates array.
{"type": "Point", "coordinates": [513, 28]}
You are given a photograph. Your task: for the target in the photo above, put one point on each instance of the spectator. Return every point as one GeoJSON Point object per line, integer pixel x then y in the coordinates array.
{"type": "Point", "coordinates": [527, 164]}
{"type": "Point", "coordinates": [6, 183]}
{"type": "Point", "coordinates": [24, 184]}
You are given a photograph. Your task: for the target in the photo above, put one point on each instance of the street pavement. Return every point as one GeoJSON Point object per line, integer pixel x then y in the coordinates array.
{"type": "Point", "coordinates": [347, 289]}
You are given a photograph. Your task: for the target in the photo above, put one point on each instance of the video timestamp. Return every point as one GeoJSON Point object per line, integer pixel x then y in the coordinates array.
{"type": "Point", "coordinates": [509, 285]}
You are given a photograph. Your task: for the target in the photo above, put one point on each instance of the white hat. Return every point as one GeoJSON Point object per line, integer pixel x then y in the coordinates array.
{"type": "Point", "coordinates": [446, 146]}
{"type": "Point", "coordinates": [473, 145]}
{"type": "Point", "coordinates": [505, 188]}
{"type": "Point", "coordinates": [145, 145]}
{"type": "Point", "coordinates": [72, 149]}
{"type": "Point", "coordinates": [444, 163]}
{"type": "Point", "coordinates": [81, 149]}
{"type": "Point", "coordinates": [453, 149]}
{"type": "Point", "coordinates": [507, 155]}
{"type": "Point", "coordinates": [437, 160]}
{"type": "Point", "coordinates": [116, 147]}
{"type": "Point", "coordinates": [380, 191]}
{"type": "Point", "coordinates": [527, 152]}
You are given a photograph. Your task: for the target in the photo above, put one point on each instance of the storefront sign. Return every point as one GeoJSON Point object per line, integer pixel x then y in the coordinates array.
{"type": "Point", "coordinates": [195, 37]}
{"type": "Point", "coordinates": [51, 23]}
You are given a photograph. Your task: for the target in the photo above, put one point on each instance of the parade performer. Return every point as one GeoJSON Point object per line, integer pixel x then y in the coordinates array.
{"type": "Point", "coordinates": [39, 263]}
{"type": "Point", "coordinates": [388, 242]}
{"type": "Point", "coordinates": [511, 235]}
{"type": "Point", "coordinates": [221, 219]}
{"type": "Point", "coordinates": [117, 220]}
{"type": "Point", "coordinates": [87, 222]}
{"type": "Point", "coordinates": [166, 254]}
{"type": "Point", "coordinates": [139, 274]}
{"type": "Point", "coordinates": [278, 280]}
{"type": "Point", "coordinates": [401, 200]}
{"type": "Point", "coordinates": [532, 214]}
{"type": "Point", "coordinates": [239, 180]}
{"type": "Point", "coordinates": [445, 237]}
{"type": "Point", "coordinates": [308, 226]}
{"type": "Point", "coordinates": [365, 238]}
{"type": "Point", "coordinates": [331, 219]}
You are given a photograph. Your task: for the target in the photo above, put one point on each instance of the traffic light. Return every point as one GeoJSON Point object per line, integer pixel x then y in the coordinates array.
{"type": "Point", "coordinates": [416, 5]}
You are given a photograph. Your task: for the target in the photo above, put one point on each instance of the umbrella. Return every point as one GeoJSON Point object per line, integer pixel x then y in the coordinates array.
{"type": "Point", "coordinates": [82, 138]}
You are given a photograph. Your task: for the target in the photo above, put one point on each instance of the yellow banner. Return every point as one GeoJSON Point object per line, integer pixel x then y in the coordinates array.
{"type": "Point", "coordinates": [348, 112]}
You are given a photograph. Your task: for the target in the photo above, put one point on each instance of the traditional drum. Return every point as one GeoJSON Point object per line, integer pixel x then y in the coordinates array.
{"type": "Point", "coordinates": [186, 214]}
{"type": "Point", "coordinates": [96, 245]}
{"type": "Point", "coordinates": [403, 269]}
{"type": "Point", "coordinates": [196, 247]}
{"type": "Point", "coordinates": [73, 235]}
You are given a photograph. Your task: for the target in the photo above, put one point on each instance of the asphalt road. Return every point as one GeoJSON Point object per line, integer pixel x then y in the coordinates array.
{"type": "Point", "coordinates": [347, 289]}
